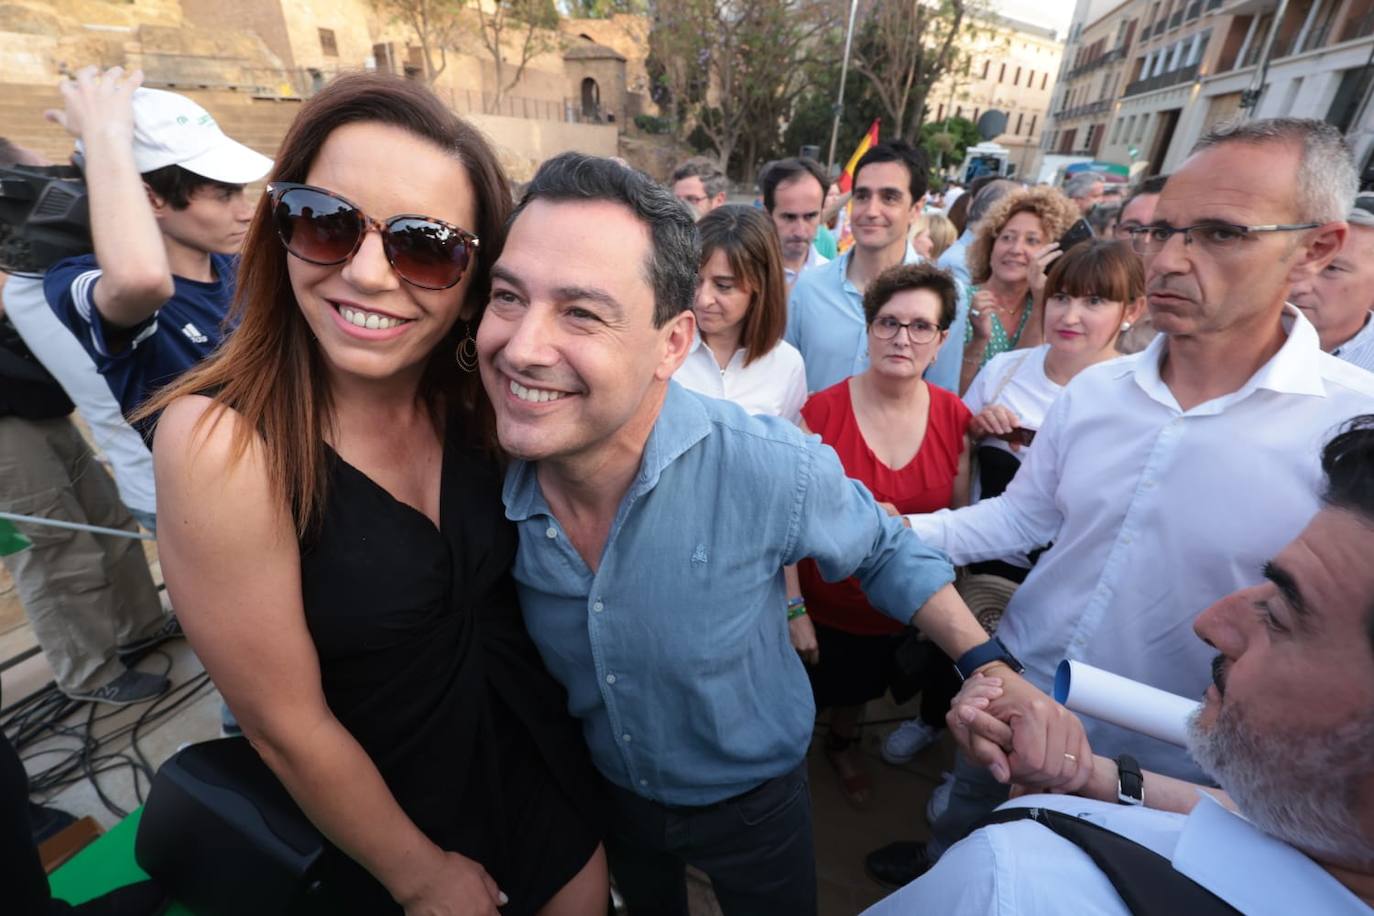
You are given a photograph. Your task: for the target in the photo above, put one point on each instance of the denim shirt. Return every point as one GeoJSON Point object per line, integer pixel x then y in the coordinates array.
{"type": "Point", "coordinates": [675, 652]}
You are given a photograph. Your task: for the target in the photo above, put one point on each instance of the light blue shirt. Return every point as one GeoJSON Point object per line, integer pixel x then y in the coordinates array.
{"type": "Point", "coordinates": [954, 259]}
{"type": "Point", "coordinates": [825, 321]}
{"type": "Point", "coordinates": [1024, 869]}
{"type": "Point", "coordinates": [675, 652]}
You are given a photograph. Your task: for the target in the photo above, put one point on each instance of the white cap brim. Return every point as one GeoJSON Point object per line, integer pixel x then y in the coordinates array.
{"type": "Point", "coordinates": [230, 162]}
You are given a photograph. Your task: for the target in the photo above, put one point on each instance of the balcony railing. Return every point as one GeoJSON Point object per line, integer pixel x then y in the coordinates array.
{"type": "Point", "coordinates": [1083, 111]}
{"type": "Point", "coordinates": [1112, 56]}
{"type": "Point", "coordinates": [1163, 80]}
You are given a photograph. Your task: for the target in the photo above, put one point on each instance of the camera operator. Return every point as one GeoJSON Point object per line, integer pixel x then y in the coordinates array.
{"type": "Point", "coordinates": [89, 597]}
{"type": "Point", "coordinates": [168, 215]}
{"type": "Point", "coordinates": [63, 356]}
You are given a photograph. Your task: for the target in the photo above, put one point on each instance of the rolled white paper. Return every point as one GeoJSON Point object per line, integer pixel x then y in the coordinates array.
{"type": "Point", "coordinates": [1124, 702]}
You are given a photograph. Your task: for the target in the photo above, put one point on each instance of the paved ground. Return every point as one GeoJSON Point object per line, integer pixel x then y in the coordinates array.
{"type": "Point", "coordinates": [843, 834]}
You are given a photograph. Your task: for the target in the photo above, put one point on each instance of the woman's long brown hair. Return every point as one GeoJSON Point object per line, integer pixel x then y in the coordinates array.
{"type": "Point", "coordinates": [751, 247]}
{"type": "Point", "coordinates": [269, 369]}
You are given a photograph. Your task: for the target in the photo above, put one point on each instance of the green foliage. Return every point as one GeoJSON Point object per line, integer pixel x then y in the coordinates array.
{"type": "Point", "coordinates": [653, 125]}
{"type": "Point", "coordinates": [945, 141]}
{"type": "Point", "coordinates": [600, 9]}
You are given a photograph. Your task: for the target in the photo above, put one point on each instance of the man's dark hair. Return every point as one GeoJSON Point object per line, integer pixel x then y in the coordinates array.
{"type": "Point", "coordinates": [905, 277]}
{"type": "Point", "coordinates": [1152, 185]}
{"type": "Point", "coordinates": [786, 170]}
{"type": "Point", "coordinates": [900, 151]}
{"type": "Point", "coordinates": [1348, 463]}
{"type": "Point", "coordinates": [672, 266]}
{"type": "Point", "coordinates": [177, 185]}
{"type": "Point", "coordinates": [712, 178]}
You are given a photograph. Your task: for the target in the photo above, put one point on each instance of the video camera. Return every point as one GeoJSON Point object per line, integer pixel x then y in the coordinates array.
{"type": "Point", "coordinates": [44, 217]}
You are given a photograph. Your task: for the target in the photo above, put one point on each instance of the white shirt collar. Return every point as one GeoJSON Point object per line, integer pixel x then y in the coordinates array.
{"type": "Point", "coordinates": [1362, 337]}
{"type": "Point", "coordinates": [1253, 871]}
{"type": "Point", "coordinates": [1294, 369]}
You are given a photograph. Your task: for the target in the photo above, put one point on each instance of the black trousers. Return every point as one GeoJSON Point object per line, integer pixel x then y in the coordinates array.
{"type": "Point", "coordinates": [26, 884]}
{"type": "Point", "coordinates": [756, 848]}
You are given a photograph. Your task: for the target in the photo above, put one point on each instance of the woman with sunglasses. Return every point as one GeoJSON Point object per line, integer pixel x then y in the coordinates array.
{"type": "Point", "coordinates": [905, 440]}
{"type": "Point", "coordinates": [333, 534]}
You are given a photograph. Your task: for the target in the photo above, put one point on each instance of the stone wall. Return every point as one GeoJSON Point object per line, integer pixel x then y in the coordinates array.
{"type": "Point", "coordinates": [523, 143]}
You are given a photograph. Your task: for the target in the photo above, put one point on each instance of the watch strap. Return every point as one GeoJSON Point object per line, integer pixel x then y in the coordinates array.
{"type": "Point", "coordinates": [991, 651]}
{"type": "Point", "coordinates": [1130, 781]}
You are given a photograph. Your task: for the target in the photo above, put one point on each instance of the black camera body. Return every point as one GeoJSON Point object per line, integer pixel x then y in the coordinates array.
{"type": "Point", "coordinates": [44, 217]}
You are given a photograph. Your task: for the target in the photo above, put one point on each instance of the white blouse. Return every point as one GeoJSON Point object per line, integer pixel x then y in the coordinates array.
{"type": "Point", "coordinates": [1016, 380]}
{"type": "Point", "coordinates": [773, 384]}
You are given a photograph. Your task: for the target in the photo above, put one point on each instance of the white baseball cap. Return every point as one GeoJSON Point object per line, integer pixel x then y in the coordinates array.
{"type": "Point", "coordinates": [170, 129]}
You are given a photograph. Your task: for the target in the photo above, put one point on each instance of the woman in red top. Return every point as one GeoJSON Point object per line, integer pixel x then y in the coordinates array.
{"type": "Point", "coordinates": [906, 441]}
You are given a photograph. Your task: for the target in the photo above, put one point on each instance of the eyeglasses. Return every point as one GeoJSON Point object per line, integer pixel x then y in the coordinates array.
{"type": "Point", "coordinates": [1213, 237]}
{"type": "Point", "coordinates": [918, 331]}
{"type": "Point", "coordinates": [323, 228]}
{"type": "Point", "coordinates": [1122, 231]}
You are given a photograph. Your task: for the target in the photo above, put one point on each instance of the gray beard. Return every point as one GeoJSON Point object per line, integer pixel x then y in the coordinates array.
{"type": "Point", "coordinates": [1298, 787]}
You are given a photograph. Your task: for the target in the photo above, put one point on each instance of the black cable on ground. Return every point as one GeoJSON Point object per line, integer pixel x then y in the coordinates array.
{"type": "Point", "coordinates": [48, 713]}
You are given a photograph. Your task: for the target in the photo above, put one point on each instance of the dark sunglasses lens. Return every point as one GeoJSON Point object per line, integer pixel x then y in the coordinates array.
{"type": "Point", "coordinates": [427, 253]}
{"type": "Point", "coordinates": [316, 227]}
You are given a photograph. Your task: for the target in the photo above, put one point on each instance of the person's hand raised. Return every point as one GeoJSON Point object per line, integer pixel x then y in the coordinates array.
{"type": "Point", "coordinates": [96, 102]}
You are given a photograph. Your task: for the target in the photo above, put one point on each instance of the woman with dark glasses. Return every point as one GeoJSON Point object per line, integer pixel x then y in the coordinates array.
{"type": "Point", "coordinates": [333, 534]}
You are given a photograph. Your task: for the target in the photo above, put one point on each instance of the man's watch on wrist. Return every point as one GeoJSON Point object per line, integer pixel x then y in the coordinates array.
{"type": "Point", "coordinates": [1130, 782]}
{"type": "Point", "coordinates": [984, 654]}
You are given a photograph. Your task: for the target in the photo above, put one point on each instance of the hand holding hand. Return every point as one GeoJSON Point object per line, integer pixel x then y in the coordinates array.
{"type": "Point", "coordinates": [456, 886]}
{"type": "Point", "coordinates": [1024, 736]}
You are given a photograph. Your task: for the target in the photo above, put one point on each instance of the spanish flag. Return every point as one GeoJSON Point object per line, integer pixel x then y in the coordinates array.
{"type": "Point", "coordinates": [867, 142]}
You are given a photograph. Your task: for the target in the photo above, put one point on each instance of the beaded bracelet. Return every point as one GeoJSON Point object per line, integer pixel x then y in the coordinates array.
{"type": "Point", "coordinates": [796, 607]}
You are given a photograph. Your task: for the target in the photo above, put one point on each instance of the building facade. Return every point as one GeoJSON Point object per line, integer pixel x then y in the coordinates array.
{"type": "Point", "coordinates": [1011, 67]}
{"type": "Point", "coordinates": [1097, 64]}
{"type": "Point", "coordinates": [1187, 65]}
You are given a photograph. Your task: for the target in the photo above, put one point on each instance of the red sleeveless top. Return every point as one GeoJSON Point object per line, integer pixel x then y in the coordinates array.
{"type": "Point", "coordinates": [925, 484]}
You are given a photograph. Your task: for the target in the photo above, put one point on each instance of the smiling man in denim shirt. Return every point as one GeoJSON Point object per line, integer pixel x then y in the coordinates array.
{"type": "Point", "coordinates": [654, 525]}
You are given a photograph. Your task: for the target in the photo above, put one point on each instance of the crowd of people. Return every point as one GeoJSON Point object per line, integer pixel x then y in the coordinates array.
{"type": "Point", "coordinates": [525, 539]}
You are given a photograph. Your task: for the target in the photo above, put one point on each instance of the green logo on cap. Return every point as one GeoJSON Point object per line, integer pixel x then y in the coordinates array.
{"type": "Point", "coordinates": [182, 120]}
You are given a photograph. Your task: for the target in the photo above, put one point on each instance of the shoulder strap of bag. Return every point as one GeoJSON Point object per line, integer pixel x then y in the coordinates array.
{"type": "Point", "coordinates": [1147, 882]}
{"type": "Point", "coordinates": [1008, 376]}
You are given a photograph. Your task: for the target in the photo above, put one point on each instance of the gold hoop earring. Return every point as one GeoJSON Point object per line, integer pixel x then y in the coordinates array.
{"type": "Point", "coordinates": [467, 352]}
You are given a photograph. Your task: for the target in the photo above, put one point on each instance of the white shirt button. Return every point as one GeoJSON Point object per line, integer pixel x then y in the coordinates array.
{"type": "Point", "coordinates": [551, 532]}
{"type": "Point", "coordinates": [610, 679]}
{"type": "Point", "coordinates": [644, 782]}
{"type": "Point", "coordinates": [598, 606]}
{"type": "Point", "coordinates": [625, 737]}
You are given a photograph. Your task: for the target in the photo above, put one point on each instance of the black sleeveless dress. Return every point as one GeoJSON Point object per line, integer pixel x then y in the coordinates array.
{"type": "Point", "coordinates": [425, 659]}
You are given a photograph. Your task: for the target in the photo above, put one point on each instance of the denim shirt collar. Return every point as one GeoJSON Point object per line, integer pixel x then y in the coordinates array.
{"type": "Point", "coordinates": [681, 423]}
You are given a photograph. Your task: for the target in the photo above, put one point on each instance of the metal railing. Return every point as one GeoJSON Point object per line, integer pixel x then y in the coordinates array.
{"type": "Point", "coordinates": [1172, 78]}
{"type": "Point", "coordinates": [1102, 60]}
{"type": "Point", "coordinates": [1080, 111]}
{"type": "Point", "coordinates": [171, 70]}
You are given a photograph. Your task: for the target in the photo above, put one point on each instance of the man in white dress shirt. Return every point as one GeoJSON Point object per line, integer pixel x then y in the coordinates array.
{"type": "Point", "coordinates": [1165, 480]}
{"type": "Point", "coordinates": [1286, 729]}
{"type": "Point", "coordinates": [1340, 300]}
